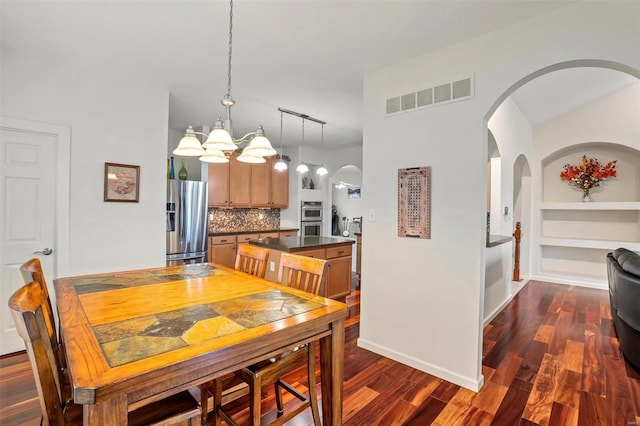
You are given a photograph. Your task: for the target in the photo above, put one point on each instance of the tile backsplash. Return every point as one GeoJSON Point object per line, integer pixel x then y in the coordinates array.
{"type": "Point", "coordinates": [232, 220]}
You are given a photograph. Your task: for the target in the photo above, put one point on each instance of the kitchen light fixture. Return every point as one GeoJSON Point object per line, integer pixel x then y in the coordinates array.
{"type": "Point", "coordinates": [221, 140]}
{"type": "Point", "coordinates": [281, 165]}
{"type": "Point", "coordinates": [302, 168]}
{"type": "Point", "coordinates": [322, 170]}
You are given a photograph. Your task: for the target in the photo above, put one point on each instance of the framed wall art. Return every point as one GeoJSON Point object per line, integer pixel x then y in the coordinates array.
{"type": "Point", "coordinates": [414, 202]}
{"type": "Point", "coordinates": [121, 182]}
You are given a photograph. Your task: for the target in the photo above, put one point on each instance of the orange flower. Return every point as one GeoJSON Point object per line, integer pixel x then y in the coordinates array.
{"type": "Point", "coordinates": [589, 173]}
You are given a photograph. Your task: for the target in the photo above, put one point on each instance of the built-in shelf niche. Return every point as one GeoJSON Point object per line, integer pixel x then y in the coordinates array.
{"type": "Point", "coordinates": [575, 236]}
{"type": "Point", "coordinates": [623, 188]}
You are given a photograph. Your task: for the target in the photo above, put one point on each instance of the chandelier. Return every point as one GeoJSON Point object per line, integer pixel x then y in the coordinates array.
{"type": "Point", "coordinates": [220, 142]}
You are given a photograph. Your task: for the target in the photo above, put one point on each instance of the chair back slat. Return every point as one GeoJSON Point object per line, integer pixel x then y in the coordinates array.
{"type": "Point", "coordinates": [32, 271]}
{"type": "Point", "coordinates": [27, 307]}
{"type": "Point", "coordinates": [252, 259]}
{"type": "Point", "coordinates": [301, 272]}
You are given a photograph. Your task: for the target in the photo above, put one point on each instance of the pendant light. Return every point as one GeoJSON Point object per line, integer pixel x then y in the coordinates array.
{"type": "Point", "coordinates": [322, 170]}
{"type": "Point", "coordinates": [221, 137]}
{"type": "Point", "coordinates": [281, 165]}
{"type": "Point", "coordinates": [302, 168]}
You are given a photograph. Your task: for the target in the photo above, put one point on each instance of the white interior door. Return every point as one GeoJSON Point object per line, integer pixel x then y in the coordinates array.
{"type": "Point", "coordinates": [27, 215]}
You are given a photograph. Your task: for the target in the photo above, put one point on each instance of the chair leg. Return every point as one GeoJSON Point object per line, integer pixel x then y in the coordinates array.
{"type": "Point", "coordinates": [217, 401]}
{"type": "Point", "coordinates": [255, 398]}
{"type": "Point", "coordinates": [278, 392]}
{"type": "Point", "coordinates": [313, 395]}
{"type": "Point", "coordinates": [205, 390]}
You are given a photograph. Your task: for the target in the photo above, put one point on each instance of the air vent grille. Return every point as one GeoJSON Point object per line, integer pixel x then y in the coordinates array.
{"type": "Point", "coordinates": [441, 94]}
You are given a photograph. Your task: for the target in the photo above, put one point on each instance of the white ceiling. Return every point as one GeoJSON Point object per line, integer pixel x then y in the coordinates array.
{"type": "Point", "coordinates": [306, 55]}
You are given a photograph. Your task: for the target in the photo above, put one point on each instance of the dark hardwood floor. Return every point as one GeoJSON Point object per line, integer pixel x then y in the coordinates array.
{"type": "Point", "coordinates": [550, 357]}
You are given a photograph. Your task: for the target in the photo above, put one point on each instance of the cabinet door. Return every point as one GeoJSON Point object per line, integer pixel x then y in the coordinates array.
{"type": "Point", "coordinates": [279, 188]}
{"type": "Point", "coordinates": [260, 184]}
{"type": "Point", "coordinates": [224, 254]}
{"type": "Point", "coordinates": [239, 183]}
{"type": "Point", "coordinates": [218, 184]}
{"type": "Point", "coordinates": [338, 281]}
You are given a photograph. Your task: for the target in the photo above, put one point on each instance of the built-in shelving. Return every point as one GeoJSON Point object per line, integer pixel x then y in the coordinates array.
{"type": "Point", "coordinates": [590, 244]}
{"type": "Point", "coordinates": [574, 237]}
{"type": "Point", "coordinates": [622, 205]}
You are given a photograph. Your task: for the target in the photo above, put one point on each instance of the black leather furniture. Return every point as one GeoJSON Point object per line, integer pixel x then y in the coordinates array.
{"type": "Point", "coordinates": [623, 268]}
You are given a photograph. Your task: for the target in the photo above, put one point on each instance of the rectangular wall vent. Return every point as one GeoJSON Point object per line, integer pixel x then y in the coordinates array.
{"type": "Point", "coordinates": [393, 105]}
{"type": "Point", "coordinates": [408, 101]}
{"type": "Point", "coordinates": [442, 93]}
{"type": "Point", "coordinates": [461, 88]}
{"type": "Point", "coordinates": [425, 97]}
{"type": "Point", "coordinates": [437, 95]}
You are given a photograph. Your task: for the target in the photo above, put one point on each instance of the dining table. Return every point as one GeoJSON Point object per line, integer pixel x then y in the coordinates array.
{"type": "Point", "coordinates": [131, 337]}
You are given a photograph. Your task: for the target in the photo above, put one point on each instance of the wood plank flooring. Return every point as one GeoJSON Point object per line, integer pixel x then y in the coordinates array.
{"type": "Point", "coordinates": [551, 357]}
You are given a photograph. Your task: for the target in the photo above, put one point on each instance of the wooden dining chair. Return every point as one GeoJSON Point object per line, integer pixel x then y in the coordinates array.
{"type": "Point", "coordinates": [32, 271]}
{"type": "Point", "coordinates": [28, 306]}
{"type": "Point", "coordinates": [252, 259]}
{"type": "Point", "coordinates": [303, 273]}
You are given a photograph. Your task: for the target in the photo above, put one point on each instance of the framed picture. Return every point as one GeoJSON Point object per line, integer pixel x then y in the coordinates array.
{"type": "Point", "coordinates": [414, 202]}
{"type": "Point", "coordinates": [121, 182]}
{"type": "Point", "coordinates": [353, 192]}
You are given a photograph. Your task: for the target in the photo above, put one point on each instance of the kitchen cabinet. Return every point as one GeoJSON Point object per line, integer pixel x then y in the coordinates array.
{"type": "Point", "coordinates": [269, 235]}
{"type": "Point", "coordinates": [245, 238]}
{"type": "Point", "coordinates": [269, 187]}
{"type": "Point", "coordinates": [222, 250]}
{"type": "Point", "coordinates": [229, 183]}
{"type": "Point", "coordinates": [338, 279]}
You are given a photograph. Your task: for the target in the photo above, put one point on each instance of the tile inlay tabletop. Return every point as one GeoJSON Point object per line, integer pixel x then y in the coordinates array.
{"type": "Point", "coordinates": [134, 334]}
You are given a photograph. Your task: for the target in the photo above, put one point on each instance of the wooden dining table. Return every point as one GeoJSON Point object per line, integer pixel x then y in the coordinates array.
{"type": "Point", "coordinates": [132, 337]}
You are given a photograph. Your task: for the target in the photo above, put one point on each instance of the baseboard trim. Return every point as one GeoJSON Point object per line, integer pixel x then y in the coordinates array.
{"type": "Point", "coordinates": [571, 281]}
{"type": "Point", "coordinates": [472, 384]}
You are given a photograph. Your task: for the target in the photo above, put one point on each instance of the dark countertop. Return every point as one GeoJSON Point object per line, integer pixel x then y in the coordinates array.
{"type": "Point", "coordinates": [255, 231]}
{"type": "Point", "coordinates": [295, 244]}
{"type": "Point", "coordinates": [496, 240]}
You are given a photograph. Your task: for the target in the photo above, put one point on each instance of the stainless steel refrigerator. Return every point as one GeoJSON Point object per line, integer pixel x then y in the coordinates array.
{"type": "Point", "coordinates": [186, 222]}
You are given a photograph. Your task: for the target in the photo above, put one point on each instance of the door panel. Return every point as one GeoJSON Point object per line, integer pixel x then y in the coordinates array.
{"type": "Point", "coordinates": [27, 215]}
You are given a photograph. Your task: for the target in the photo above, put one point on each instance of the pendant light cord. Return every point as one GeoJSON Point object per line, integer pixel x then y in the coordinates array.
{"type": "Point", "coordinates": [230, 48]}
{"type": "Point", "coordinates": [281, 134]}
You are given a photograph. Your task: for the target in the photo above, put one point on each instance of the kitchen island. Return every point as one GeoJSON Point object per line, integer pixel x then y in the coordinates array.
{"type": "Point", "coordinates": [337, 251]}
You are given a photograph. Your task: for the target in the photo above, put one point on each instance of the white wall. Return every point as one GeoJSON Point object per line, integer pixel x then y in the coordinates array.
{"type": "Point", "coordinates": [514, 136]}
{"type": "Point", "coordinates": [114, 117]}
{"type": "Point", "coordinates": [423, 302]}
{"type": "Point", "coordinates": [332, 160]}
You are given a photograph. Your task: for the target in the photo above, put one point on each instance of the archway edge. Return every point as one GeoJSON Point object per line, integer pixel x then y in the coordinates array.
{"type": "Point", "coordinates": [576, 63]}
{"type": "Point", "coordinates": [590, 144]}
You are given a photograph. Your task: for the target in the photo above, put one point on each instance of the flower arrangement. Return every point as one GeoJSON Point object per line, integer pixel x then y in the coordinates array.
{"type": "Point", "coordinates": [589, 173]}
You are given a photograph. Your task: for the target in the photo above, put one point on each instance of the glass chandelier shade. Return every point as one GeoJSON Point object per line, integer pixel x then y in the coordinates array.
{"type": "Point", "coordinates": [214, 156]}
{"type": "Point", "coordinates": [260, 145]}
{"type": "Point", "coordinates": [322, 170]}
{"type": "Point", "coordinates": [302, 168]}
{"type": "Point", "coordinates": [189, 145]}
{"type": "Point", "coordinates": [219, 138]}
{"type": "Point", "coordinates": [248, 157]}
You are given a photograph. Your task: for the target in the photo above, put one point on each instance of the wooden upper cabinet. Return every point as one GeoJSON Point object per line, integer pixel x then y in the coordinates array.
{"type": "Point", "coordinates": [269, 187]}
{"type": "Point", "coordinates": [239, 183]}
{"type": "Point", "coordinates": [229, 183]}
{"type": "Point", "coordinates": [279, 188]}
{"type": "Point", "coordinates": [219, 184]}
{"type": "Point", "coordinates": [261, 183]}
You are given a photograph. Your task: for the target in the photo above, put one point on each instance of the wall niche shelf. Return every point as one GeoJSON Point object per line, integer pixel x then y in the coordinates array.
{"type": "Point", "coordinates": [594, 205]}
{"type": "Point", "coordinates": [574, 237]}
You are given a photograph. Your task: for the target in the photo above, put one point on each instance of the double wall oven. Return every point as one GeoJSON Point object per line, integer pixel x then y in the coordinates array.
{"type": "Point", "coordinates": [311, 218]}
